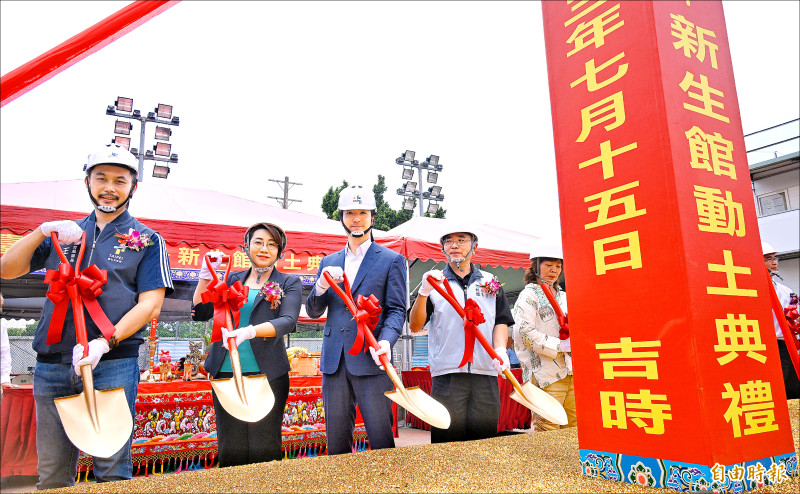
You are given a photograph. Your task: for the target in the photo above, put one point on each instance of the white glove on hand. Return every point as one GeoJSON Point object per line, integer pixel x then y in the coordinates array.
{"type": "Point", "coordinates": [97, 348]}
{"type": "Point", "coordinates": [426, 287]}
{"type": "Point", "coordinates": [566, 346]}
{"type": "Point", "coordinates": [336, 273]}
{"type": "Point", "coordinates": [216, 260]}
{"type": "Point", "coordinates": [501, 366]}
{"type": "Point", "coordinates": [385, 349]}
{"type": "Point", "coordinates": [68, 231]}
{"type": "Point", "coordinates": [240, 334]}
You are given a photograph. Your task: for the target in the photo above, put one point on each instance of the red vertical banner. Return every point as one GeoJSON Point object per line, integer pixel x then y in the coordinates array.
{"type": "Point", "coordinates": [677, 375]}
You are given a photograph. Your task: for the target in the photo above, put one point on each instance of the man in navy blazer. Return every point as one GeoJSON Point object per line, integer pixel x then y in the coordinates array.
{"type": "Point", "coordinates": [348, 380]}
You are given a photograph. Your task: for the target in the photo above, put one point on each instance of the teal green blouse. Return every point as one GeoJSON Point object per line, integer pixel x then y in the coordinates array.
{"type": "Point", "coordinates": [246, 357]}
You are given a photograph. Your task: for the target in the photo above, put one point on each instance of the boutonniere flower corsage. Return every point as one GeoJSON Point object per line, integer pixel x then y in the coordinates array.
{"type": "Point", "coordinates": [272, 292]}
{"type": "Point", "coordinates": [133, 240]}
{"type": "Point", "coordinates": [491, 287]}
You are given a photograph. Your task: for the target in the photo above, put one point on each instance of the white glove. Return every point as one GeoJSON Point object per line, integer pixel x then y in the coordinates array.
{"type": "Point", "coordinates": [385, 349]}
{"type": "Point", "coordinates": [426, 287]}
{"type": "Point", "coordinates": [68, 231]}
{"type": "Point", "coordinates": [97, 348]}
{"type": "Point", "coordinates": [241, 334]}
{"type": "Point", "coordinates": [566, 346]}
{"type": "Point", "coordinates": [336, 273]}
{"type": "Point", "coordinates": [216, 260]}
{"type": "Point", "coordinates": [497, 364]}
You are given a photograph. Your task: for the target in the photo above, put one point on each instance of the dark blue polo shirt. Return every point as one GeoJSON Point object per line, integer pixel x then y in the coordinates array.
{"type": "Point", "coordinates": [130, 272]}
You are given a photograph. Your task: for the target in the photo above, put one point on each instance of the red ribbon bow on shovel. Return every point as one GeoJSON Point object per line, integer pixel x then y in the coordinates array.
{"type": "Point", "coordinates": [65, 282]}
{"type": "Point", "coordinates": [563, 321]}
{"type": "Point", "coordinates": [225, 298]}
{"type": "Point", "coordinates": [366, 312]}
{"type": "Point", "coordinates": [472, 316]}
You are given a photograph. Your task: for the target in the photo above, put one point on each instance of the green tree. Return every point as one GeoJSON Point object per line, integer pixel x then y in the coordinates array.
{"type": "Point", "coordinates": [330, 201]}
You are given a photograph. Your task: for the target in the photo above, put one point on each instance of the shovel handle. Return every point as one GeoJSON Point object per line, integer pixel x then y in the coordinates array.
{"type": "Point", "coordinates": [552, 300]}
{"type": "Point", "coordinates": [348, 300]}
{"type": "Point", "coordinates": [225, 259]}
{"type": "Point", "coordinates": [478, 335]}
{"type": "Point", "coordinates": [788, 337]}
{"type": "Point", "coordinates": [74, 295]}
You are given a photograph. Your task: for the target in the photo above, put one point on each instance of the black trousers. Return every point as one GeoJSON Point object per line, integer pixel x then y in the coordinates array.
{"type": "Point", "coordinates": [242, 443]}
{"type": "Point", "coordinates": [473, 401]}
{"type": "Point", "coordinates": [790, 381]}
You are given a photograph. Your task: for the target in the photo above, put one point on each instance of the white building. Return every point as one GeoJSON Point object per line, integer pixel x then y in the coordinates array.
{"type": "Point", "coordinates": [773, 156]}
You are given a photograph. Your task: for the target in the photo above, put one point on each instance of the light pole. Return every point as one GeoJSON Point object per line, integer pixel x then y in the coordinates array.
{"type": "Point", "coordinates": [409, 189]}
{"type": "Point", "coordinates": [162, 150]}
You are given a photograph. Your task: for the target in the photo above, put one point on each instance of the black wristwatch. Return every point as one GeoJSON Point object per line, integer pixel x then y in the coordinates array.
{"type": "Point", "coordinates": [113, 342]}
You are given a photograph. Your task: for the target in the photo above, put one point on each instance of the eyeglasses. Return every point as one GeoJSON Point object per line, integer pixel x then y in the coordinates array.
{"type": "Point", "coordinates": [771, 258]}
{"type": "Point", "coordinates": [258, 245]}
{"type": "Point", "coordinates": [460, 242]}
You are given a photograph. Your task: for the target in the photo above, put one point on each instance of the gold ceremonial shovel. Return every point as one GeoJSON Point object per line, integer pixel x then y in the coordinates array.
{"type": "Point", "coordinates": [527, 395]}
{"type": "Point", "coordinates": [98, 422]}
{"type": "Point", "coordinates": [412, 399]}
{"type": "Point", "coordinates": [248, 398]}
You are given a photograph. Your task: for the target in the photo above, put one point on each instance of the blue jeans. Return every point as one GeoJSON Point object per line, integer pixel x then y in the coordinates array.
{"type": "Point", "coordinates": [58, 457]}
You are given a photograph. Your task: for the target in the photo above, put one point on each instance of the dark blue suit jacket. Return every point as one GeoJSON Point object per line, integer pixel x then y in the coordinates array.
{"type": "Point", "coordinates": [382, 273]}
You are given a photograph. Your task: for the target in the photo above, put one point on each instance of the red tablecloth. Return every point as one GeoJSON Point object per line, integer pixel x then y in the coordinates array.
{"type": "Point", "coordinates": [174, 421]}
{"type": "Point", "coordinates": [18, 432]}
{"type": "Point", "coordinates": [512, 414]}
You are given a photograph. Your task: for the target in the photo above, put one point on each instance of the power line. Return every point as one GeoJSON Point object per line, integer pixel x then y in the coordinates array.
{"type": "Point", "coordinates": [285, 185]}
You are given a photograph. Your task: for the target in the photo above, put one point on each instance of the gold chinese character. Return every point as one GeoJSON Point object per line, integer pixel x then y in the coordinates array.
{"type": "Point", "coordinates": [590, 76]}
{"type": "Point", "coordinates": [736, 473]}
{"type": "Point", "coordinates": [718, 214]}
{"type": "Point", "coordinates": [692, 43]}
{"type": "Point", "coordinates": [730, 275]}
{"type": "Point", "coordinates": [595, 30]}
{"type": "Point", "coordinates": [756, 406]}
{"type": "Point", "coordinates": [188, 256]}
{"type": "Point", "coordinates": [777, 473]}
{"type": "Point", "coordinates": [240, 260]}
{"type": "Point", "coordinates": [647, 368]}
{"type": "Point", "coordinates": [738, 335]}
{"type": "Point", "coordinates": [313, 263]}
{"type": "Point", "coordinates": [631, 250]}
{"type": "Point", "coordinates": [705, 96]}
{"type": "Point", "coordinates": [605, 203]}
{"type": "Point", "coordinates": [7, 240]}
{"type": "Point", "coordinates": [606, 158]}
{"type": "Point", "coordinates": [640, 407]}
{"type": "Point", "coordinates": [711, 152]}
{"type": "Point", "coordinates": [718, 473]}
{"type": "Point", "coordinates": [755, 473]}
{"type": "Point", "coordinates": [290, 263]}
{"type": "Point", "coordinates": [607, 109]}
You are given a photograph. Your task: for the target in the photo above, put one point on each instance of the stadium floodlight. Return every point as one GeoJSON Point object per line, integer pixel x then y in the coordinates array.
{"type": "Point", "coordinates": [163, 133]}
{"type": "Point", "coordinates": [162, 149]}
{"type": "Point", "coordinates": [164, 111]}
{"type": "Point", "coordinates": [435, 190]}
{"type": "Point", "coordinates": [408, 204]}
{"type": "Point", "coordinates": [410, 187]}
{"type": "Point", "coordinates": [409, 155]}
{"type": "Point", "coordinates": [433, 208]}
{"type": "Point", "coordinates": [160, 171]}
{"type": "Point", "coordinates": [123, 141]}
{"type": "Point", "coordinates": [432, 161]}
{"type": "Point", "coordinates": [122, 127]}
{"type": "Point", "coordinates": [124, 104]}
{"type": "Point", "coordinates": [408, 173]}
{"type": "Point", "coordinates": [432, 177]}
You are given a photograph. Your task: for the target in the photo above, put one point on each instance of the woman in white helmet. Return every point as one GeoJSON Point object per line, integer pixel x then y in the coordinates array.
{"type": "Point", "coordinates": [270, 312]}
{"type": "Point", "coordinates": [546, 359]}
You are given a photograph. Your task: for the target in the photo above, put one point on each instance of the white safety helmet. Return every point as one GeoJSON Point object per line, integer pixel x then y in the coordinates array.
{"type": "Point", "coordinates": [451, 229]}
{"type": "Point", "coordinates": [356, 197]}
{"type": "Point", "coordinates": [547, 248]}
{"type": "Point", "coordinates": [767, 248]}
{"type": "Point", "coordinates": [112, 154]}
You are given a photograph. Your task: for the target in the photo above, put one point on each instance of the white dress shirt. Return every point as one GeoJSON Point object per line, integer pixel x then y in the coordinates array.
{"type": "Point", "coordinates": [352, 261]}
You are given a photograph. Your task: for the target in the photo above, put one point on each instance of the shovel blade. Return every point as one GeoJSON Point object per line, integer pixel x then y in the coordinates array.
{"type": "Point", "coordinates": [258, 393]}
{"type": "Point", "coordinates": [422, 405]}
{"type": "Point", "coordinates": [101, 432]}
{"type": "Point", "coordinates": [540, 403]}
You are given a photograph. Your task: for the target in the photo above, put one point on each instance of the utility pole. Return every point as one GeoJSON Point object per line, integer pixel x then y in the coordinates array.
{"type": "Point", "coordinates": [285, 185]}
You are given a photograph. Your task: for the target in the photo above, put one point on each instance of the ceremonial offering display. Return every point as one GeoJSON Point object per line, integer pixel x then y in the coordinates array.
{"type": "Point", "coordinates": [303, 362]}
{"type": "Point", "coordinates": [656, 205]}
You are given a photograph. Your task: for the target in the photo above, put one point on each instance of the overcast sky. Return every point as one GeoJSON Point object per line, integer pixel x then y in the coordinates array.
{"type": "Point", "coordinates": [325, 91]}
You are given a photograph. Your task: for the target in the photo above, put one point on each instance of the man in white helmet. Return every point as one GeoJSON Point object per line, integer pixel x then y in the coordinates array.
{"type": "Point", "coordinates": [790, 381]}
{"type": "Point", "coordinates": [470, 392]}
{"type": "Point", "coordinates": [135, 258]}
{"type": "Point", "coordinates": [348, 379]}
